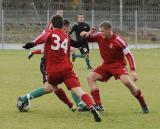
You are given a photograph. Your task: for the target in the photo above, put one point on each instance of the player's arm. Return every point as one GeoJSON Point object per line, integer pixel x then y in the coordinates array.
{"type": "Point", "coordinates": [130, 58]}
{"type": "Point", "coordinates": [39, 40]}
{"type": "Point", "coordinates": [89, 36]}
{"type": "Point", "coordinates": [73, 28]}
{"type": "Point", "coordinates": [131, 61]}
{"type": "Point", "coordinates": [34, 52]}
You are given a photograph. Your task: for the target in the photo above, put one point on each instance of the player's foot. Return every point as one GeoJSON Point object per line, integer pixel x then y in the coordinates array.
{"type": "Point", "coordinates": [145, 109]}
{"type": "Point", "coordinates": [73, 57]}
{"type": "Point", "coordinates": [90, 68]}
{"type": "Point", "coordinates": [95, 113]}
{"type": "Point", "coordinates": [20, 104]}
{"type": "Point", "coordinates": [99, 107]}
{"type": "Point", "coordinates": [84, 109]}
{"type": "Point", "coordinates": [73, 108]}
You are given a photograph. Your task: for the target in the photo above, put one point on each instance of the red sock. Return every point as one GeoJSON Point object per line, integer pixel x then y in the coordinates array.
{"type": "Point", "coordinates": [87, 100]}
{"type": "Point", "coordinates": [140, 98]}
{"type": "Point", "coordinates": [63, 97]}
{"type": "Point", "coordinates": [96, 96]}
{"type": "Point", "coordinates": [37, 52]}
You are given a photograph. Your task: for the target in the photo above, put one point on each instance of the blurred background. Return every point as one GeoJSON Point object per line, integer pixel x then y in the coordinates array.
{"type": "Point", "coordinates": [138, 21]}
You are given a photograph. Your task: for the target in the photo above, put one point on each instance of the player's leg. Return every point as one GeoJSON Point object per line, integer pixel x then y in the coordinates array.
{"type": "Point", "coordinates": [86, 54]}
{"type": "Point", "coordinates": [92, 78]}
{"type": "Point", "coordinates": [86, 98]}
{"type": "Point", "coordinates": [55, 79]}
{"type": "Point", "coordinates": [125, 79]}
{"type": "Point", "coordinates": [56, 90]}
{"type": "Point", "coordinates": [81, 105]}
{"type": "Point", "coordinates": [73, 55]}
{"type": "Point", "coordinates": [60, 93]}
{"type": "Point", "coordinates": [43, 69]}
{"type": "Point", "coordinates": [73, 84]}
{"type": "Point", "coordinates": [32, 95]}
{"type": "Point", "coordinates": [37, 92]}
{"type": "Point", "coordinates": [87, 60]}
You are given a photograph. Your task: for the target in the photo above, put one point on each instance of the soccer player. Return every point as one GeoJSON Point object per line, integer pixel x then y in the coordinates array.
{"type": "Point", "coordinates": [48, 89]}
{"type": "Point", "coordinates": [67, 28]}
{"type": "Point", "coordinates": [81, 105]}
{"type": "Point", "coordinates": [113, 50]}
{"type": "Point", "coordinates": [59, 68]}
{"type": "Point", "coordinates": [83, 44]}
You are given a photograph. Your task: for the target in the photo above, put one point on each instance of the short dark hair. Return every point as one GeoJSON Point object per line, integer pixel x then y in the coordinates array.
{"type": "Point", "coordinates": [106, 24]}
{"type": "Point", "coordinates": [80, 14]}
{"type": "Point", "coordinates": [57, 21]}
{"type": "Point", "coordinates": [66, 22]}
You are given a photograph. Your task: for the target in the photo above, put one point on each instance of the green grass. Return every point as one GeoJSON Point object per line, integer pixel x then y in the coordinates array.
{"type": "Point", "coordinates": [18, 76]}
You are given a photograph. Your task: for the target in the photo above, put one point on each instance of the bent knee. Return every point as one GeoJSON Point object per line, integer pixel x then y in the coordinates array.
{"type": "Point", "coordinates": [91, 77]}
{"type": "Point", "coordinates": [48, 90]}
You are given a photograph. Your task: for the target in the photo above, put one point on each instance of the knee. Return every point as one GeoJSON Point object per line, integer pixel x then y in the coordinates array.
{"type": "Point", "coordinates": [48, 89]}
{"type": "Point", "coordinates": [90, 78]}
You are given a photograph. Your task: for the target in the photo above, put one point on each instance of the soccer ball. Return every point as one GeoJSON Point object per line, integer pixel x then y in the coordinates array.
{"type": "Point", "coordinates": [26, 106]}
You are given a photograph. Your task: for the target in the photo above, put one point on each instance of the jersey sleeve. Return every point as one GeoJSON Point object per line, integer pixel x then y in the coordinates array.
{"type": "Point", "coordinates": [93, 37]}
{"type": "Point", "coordinates": [73, 28]}
{"type": "Point", "coordinates": [128, 54]}
{"type": "Point", "coordinates": [42, 38]}
{"type": "Point", "coordinates": [39, 51]}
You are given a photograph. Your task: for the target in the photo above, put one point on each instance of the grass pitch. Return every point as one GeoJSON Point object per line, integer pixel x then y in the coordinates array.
{"type": "Point", "coordinates": [18, 75]}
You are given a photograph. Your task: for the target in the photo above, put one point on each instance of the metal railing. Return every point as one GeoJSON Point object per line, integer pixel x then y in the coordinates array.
{"type": "Point", "coordinates": [137, 23]}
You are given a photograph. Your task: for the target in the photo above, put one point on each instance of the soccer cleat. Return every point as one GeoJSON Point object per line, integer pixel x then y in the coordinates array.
{"type": "Point", "coordinates": [73, 108]}
{"type": "Point", "coordinates": [99, 107]}
{"type": "Point", "coordinates": [95, 113]}
{"type": "Point", "coordinates": [73, 58]}
{"type": "Point", "coordinates": [84, 109]}
{"type": "Point", "coordinates": [145, 109]}
{"type": "Point", "coordinates": [21, 104]}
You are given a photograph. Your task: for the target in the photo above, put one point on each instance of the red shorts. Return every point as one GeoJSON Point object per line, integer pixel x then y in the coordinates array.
{"type": "Point", "coordinates": [108, 71]}
{"type": "Point", "coordinates": [69, 77]}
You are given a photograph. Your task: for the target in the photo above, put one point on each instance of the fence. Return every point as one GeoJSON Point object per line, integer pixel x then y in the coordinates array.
{"type": "Point", "coordinates": [138, 24]}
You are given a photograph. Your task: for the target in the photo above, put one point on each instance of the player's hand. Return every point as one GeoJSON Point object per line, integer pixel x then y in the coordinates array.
{"type": "Point", "coordinates": [29, 45]}
{"type": "Point", "coordinates": [134, 75]}
{"type": "Point", "coordinates": [30, 55]}
{"type": "Point", "coordinates": [84, 34]}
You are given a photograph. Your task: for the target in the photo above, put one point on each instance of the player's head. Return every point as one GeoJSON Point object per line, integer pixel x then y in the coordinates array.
{"type": "Point", "coordinates": [106, 29]}
{"type": "Point", "coordinates": [66, 26]}
{"type": "Point", "coordinates": [80, 18]}
{"type": "Point", "coordinates": [59, 12]}
{"type": "Point", "coordinates": [57, 21]}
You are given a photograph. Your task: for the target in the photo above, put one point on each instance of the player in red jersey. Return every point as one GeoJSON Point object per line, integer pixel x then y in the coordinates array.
{"type": "Point", "coordinates": [113, 50]}
{"type": "Point", "coordinates": [80, 105]}
{"type": "Point", "coordinates": [59, 68]}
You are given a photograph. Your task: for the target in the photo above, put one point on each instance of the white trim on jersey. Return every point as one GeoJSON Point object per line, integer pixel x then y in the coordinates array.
{"type": "Point", "coordinates": [126, 50]}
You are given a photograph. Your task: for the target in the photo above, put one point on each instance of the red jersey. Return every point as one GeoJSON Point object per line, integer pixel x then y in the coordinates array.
{"type": "Point", "coordinates": [113, 50]}
{"type": "Point", "coordinates": [57, 49]}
